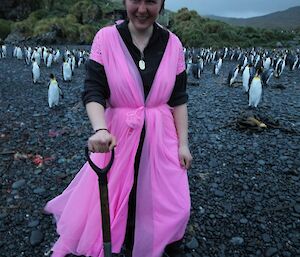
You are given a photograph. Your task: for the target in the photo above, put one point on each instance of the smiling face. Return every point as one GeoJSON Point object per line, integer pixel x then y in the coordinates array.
{"type": "Point", "coordinates": [143, 13]}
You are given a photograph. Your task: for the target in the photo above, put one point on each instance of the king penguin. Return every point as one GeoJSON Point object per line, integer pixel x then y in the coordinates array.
{"type": "Point", "coordinates": [57, 55]}
{"type": "Point", "coordinates": [49, 59]}
{"type": "Point", "coordinates": [246, 78]}
{"type": "Point", "coordinates": [4, 51]}
{"type": "Point", "coordinates": [218, 66]}
{"type": "Point", "coordinates": [266, 76]}
{"type": "Point", "coordinates": [196, 67]}
{"type": "Point", "coordinates": [66, 71]}
{"type": "Point", "coordinates": [35, 71]}
{"type": "Point", "coordinates": [54, 91]}
{"type": "Point", "coordinates": [267, 63]}
{"type": "Point", "coordinates": [19, 53]}
{"type": "Point", "coordinates": [279, 68]}
{"type": "Point", "coordinates": [255, 90]}
{"type": "Point", "coordinates": [233, 74]}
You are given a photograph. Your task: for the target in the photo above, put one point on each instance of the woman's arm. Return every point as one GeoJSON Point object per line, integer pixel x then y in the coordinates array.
{"type": "Point", "coordinates": [95, 113]}
{"type": "Point", "coordinates": [180, 115]}
{"type": "Point", "coordinates": [102, 141]}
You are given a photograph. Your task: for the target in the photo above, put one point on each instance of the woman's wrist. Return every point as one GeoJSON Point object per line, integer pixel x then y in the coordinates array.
{"type": "Point", "coordinates": [100, 129]}
{"type": "Point", "coordinates": [183, 144]}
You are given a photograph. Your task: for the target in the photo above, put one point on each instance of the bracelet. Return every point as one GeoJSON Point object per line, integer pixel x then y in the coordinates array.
{"type": "Point", "coordinates": [96, 130]}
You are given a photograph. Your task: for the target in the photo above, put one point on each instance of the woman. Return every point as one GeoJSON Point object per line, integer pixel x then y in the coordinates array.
{"type": "Point", "coordinates": [135, 99]}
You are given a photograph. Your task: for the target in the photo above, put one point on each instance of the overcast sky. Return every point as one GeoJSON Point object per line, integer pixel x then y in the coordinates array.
{"type": "Point", "coordinates": [233, 8]}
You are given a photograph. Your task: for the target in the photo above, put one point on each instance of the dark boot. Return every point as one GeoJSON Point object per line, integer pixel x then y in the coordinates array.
{"type": "Point", "coordinates": [174, 250]}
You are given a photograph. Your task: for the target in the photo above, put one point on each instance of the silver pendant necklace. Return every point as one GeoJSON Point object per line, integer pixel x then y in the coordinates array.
{"type": "Point", "coordinates": [142, 64]}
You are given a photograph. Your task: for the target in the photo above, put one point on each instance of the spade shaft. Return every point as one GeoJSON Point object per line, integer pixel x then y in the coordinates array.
{"type": "Point", "coordinates": [104, 202]}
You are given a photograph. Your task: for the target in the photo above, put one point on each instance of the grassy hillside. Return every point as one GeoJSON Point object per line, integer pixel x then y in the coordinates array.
{"type": "Point", "coordinates": [76, 21]}
{"type": "Point", "coordinates": [73, 20]}
{"type": "Point", "coordinates": [195, 30]}
{"type": "Point", "coordinates": [288, 19]}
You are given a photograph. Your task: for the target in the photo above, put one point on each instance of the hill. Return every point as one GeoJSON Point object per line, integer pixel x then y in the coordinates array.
{"type": "Point", "coordinates": [288, 19]}
{"type": "Point", "coordinates": [58, 21]}
{"type": "Point", "coordinates": [77, 21]}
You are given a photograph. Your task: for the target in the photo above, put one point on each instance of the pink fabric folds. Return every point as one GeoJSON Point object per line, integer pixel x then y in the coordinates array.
{"type": "Point", "coordinates": [163, 202]}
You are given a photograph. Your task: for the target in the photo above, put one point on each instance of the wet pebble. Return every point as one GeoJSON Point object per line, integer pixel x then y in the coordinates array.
{"type": "Point", "coordinates": [237, 240]}
{"type": "Point", "coordinates": [36, 237]}
{"type": "Point", "coordinates": [266, 238]}
{"type": "Point", "coordinates": [193, 243]}
{"type": "Point", "coordinates": [33, 223]}
{"type": "Point", "coordinates": [18, 184]}
{"type": "Point", "coordinates": [39, 190]}
{"type": "Point", "coordinates": [244, 184]}
{"type": "Point", "coordinates": [271, 251]}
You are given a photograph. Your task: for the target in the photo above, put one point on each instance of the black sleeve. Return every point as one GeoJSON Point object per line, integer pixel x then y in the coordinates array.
{"type": "Point", "coordinates": [179, 95]}
{"type": "Point", "coordinates": [95, 84]}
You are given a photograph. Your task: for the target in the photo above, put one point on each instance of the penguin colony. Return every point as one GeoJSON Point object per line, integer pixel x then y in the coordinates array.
{"type": "Point", "coordinates": [66, 60]}
{"type": "Point", "coordinates": [254, 67]}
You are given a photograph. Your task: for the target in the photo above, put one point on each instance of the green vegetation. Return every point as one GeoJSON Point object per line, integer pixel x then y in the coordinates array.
{"type": "Point", "coordinates": [71, 20]}
{"type": "Point", "coordinates": [197, 31]}
{"type": "Point", "coordinates": [5, 28]}
{"type": "Point", "coordinates": [77, 21]}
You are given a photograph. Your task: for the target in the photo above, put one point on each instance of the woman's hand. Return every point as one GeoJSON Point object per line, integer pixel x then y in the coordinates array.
{"type": "Point", "coordinates": [185, 156]}
{"type": "Point", "coordinates": [101, 142]}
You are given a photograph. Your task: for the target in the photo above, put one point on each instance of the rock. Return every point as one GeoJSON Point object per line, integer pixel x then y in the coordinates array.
{"type": "Point", "coordinates": [261, 162]}
{"type": "Point", "coordinates": [33, 223]}
{"type": "Point", "coordinates": [218, 193]}
{"type": "Point", "coordinates": [252, 193]}
{"type": "Point", "coordinates": [243, 221]}
{"type": "Point", "coordinates": [266, 238]}
{"type": "Point", "coordinates": [193, 244]}
{"type": "Point", "coordinates": [39, 190]}
{"type": "Point", "coordinates": [286, 254]}
{"type": "Point", "coordinates": [14, 38]}
{"type": "Point", "coordinates": [271, 252]}
{"type": "Point", "coordinates": [297, 208]}
{"type": "Point", "coordinates": [213, 163]}
{"type": "Point", "coordinates": [201, 210]}
{"type": "Point", "coordinates": [3, 215]}
{"type": "Point", "coordinates": [36, 237]}
{"type": "Point", "coordinates": [237, 240]}
{"type": "Point", "coordinates": [18, 184]}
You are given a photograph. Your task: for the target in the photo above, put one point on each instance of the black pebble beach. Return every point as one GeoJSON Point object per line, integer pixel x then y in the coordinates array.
{"type": "Point", "coordinates": [244, 183]}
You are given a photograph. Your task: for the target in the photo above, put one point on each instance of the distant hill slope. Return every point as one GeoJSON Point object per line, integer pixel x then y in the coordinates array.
{"type": "Point", "coordinates": [288, 19]}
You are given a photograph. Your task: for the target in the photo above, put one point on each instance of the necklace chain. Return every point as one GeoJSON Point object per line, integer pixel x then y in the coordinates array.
{"type": "Point", "coordinates": [142, 64]}
{"type": "Point", "coordinates": [142, 46]}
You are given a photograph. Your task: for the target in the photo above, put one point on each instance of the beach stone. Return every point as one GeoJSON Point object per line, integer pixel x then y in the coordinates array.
{"type": "Point", "coordinates": [243, 183]}
{"type": "Point", "coordinates": [266, 238]}
{"type": "Point", "coordinates": [39, 190]}
{"type": "Point", "coordinates": [219, 193]}
{"type": "Point", "coordinates": [19, 184]}
{"type": "Point", "coordinates": [297, 208]}
{"type": "Point", "coordinates": [193, 243]}
{"type": "Point", "coordinates": [237, 240]}
{"type": "Point", "coordinates": [286, 254]}
{"type": "Point", "coordinates": [36, 237]}
{"type": "Point", "coordinates": [243, 221]}
{"type": "Point", "coordinates": [33, 223]}
{"type": "Point", "coordinates": [271, 251]}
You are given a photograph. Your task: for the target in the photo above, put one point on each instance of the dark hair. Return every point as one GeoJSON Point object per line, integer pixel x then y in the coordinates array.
{"type": "Point", "coordinates": [162, 7]}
